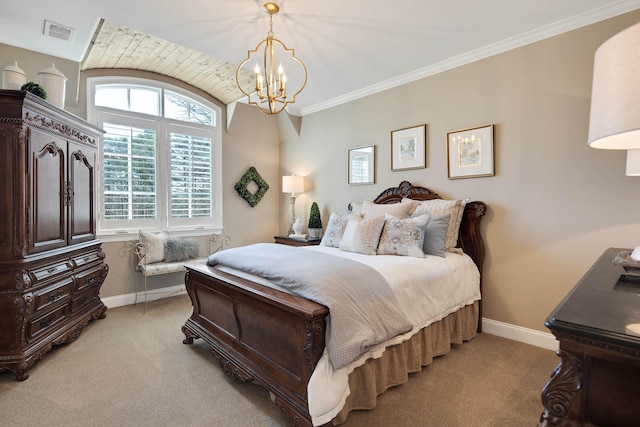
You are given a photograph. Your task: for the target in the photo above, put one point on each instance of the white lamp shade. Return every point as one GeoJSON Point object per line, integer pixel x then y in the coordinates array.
{"type": "Point", "coordinates": [633, 163]}
{"type": "Point", "coordinates": [615, 99]}
{"type": "Point", "coordinates": [293, 184]}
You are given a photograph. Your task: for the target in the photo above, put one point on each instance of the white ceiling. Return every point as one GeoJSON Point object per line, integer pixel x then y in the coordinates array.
{"type": "Point", "coordinates": [351, 47]}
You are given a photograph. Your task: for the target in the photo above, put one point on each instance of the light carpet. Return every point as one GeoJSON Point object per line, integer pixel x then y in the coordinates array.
{"type": "Point", "coordinates": [131, 369]}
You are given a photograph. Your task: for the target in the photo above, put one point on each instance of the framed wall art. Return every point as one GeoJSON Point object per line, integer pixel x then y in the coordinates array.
{"type": "Point", "coordinates": [470, 152]}
{"type": "Point", "coordinates": [408, 148]}
{"type": "Point", "coordinates": [362, 165]}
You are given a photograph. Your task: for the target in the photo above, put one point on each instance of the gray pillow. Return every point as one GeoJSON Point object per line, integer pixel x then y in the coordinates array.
{"type": "Point", "coordinates": [180, 249]}
{"type": "Point", "coordinates": [435, 235]}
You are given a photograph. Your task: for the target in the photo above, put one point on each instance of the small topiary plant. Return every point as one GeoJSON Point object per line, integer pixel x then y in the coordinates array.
{"type": "Point", "coordinates": [314, 216]}
{"type": "Point", "coordinates": [35, 89]}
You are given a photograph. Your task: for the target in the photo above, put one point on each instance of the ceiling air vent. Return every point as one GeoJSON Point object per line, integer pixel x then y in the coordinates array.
{"type": "Point", "coordinates": [58, 31]}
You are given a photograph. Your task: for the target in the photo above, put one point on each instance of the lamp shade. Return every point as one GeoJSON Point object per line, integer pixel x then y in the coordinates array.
{"type": "Point", "coordinates": [292, 184]}
{"type": "Point", "coordinates": [633, 163]}
{"type": "Point", "coordinates": [614, 123]}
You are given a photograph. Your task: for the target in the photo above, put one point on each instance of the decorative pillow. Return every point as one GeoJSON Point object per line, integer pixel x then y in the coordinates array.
{"type": "Point", "coordinates": [454, 208]}
{"type": "Point", "coordinates": [153, 246]}
{"type": "Point", "coordinates": [335, 230]}
{"type": "Point", "coordinates": [356, 207]}
{"type": "Point", "coordinates": [403, 236]}
{"type": "Point", "coordinates": [362, 235]}
{"type": "Point", "coordinates": [180, 249]}
{"type": "Point", "coordinates": [399, 210]}
{"type": "Point", "coordinates": [436, 235]}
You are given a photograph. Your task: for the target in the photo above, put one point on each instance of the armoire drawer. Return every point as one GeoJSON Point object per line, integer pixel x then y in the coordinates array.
{"type": "Point", "coordinates": [50, 271]}
{"type": "Point", "coordinates": [50, 295]}
{"type": "Point", "coordinates": [87, 278]}
{"type": "Point", "coordinates": [87, 258]}
{"type": "Point", "coordinates": [82, 299]}
{"type": "Point", "coordinates": [41, 324]}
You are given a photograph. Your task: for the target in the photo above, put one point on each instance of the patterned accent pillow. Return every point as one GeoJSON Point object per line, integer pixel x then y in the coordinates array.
{"type": "Point", "coordinates": [153, 246]}
{"type": "Point", "coordinates": [403, 236]}
{"type": "Point", "coordinates": [362, 235]}
{"type": "Point", "coordinates": [435, 235]}
{"type": "Point", "coordinates": [399, 210]}
{"type": "Point", "coordinates": [335, 230]}
{"type": "Point", "coordinates": [455, 208]}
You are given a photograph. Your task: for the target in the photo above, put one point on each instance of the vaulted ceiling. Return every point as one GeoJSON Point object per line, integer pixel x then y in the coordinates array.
{"type": "Point", "coordinates": [351, 48]}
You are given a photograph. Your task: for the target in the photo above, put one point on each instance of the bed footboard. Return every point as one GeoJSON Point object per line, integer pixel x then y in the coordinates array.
{"type": "Point", "coordinates": [258, 334]}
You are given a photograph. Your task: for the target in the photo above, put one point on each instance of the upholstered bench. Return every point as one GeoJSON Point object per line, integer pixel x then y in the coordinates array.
{"type": "Point", "coordinates": [152, 251]}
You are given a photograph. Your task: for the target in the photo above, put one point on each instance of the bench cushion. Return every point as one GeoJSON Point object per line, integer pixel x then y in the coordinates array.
{"type": "Point", "coordinates": [167, 267]}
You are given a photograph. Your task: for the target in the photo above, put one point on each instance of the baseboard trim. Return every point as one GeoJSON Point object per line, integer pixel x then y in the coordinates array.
{"type": "Point", "coordinates": [518, 333]}
{"type": "Point", "coordinates": [152, 295]}
{"type": "Point", "coordinates": [489, 326]}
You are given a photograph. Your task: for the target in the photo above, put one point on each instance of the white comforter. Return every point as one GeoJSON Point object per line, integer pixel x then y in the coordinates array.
{"type": "Point", "coordinates": [427, 290]}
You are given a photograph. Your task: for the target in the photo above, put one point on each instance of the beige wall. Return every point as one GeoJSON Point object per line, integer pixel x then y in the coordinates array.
{"type": "Point", "coordinates": [554, 204]}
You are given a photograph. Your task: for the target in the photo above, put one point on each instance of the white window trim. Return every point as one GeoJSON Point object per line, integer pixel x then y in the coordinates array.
{"type": "Point", "coordinates": [93, 116]}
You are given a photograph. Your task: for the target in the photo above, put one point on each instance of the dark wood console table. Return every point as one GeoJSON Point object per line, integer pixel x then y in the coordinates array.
{"type": "Point", "coordinates": [597, 382]}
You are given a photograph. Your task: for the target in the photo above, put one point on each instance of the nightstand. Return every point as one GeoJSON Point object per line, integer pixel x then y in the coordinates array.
{"type": "Point", "coordinates": [284, 240]}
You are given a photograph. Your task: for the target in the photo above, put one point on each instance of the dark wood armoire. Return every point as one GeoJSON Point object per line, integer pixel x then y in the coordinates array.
{"type": "Point", "coordinates": [51, 264]}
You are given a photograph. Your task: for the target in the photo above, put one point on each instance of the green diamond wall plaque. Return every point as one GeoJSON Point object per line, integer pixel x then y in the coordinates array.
{"type": "Point", "coordinates": [251, 175]}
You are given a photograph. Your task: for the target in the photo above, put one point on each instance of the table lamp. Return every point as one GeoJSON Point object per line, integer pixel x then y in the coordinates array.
{"type": "Point", "coordinates": [292, 184]}
{"type": "Point", "coordinates": [614, 123]}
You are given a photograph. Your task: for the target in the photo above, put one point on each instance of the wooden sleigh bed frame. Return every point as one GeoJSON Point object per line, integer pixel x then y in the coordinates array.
{"type": "Point", "coordinates": [275, 339]}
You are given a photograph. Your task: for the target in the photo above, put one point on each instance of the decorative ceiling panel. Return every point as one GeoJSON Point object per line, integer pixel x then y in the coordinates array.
{"type": "Point", "coordinates": [114, 46]}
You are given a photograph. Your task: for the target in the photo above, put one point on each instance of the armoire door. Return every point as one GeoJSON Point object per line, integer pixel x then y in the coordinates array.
{"type": "Point", "coordinates": [48, 192]}
{"type": "Point", "coordinates": [81, 184]}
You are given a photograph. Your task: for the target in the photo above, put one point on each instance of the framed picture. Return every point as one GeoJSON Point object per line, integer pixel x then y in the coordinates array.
{"type": "Point", "coordinates": [408, 148]}
{"type": "Point", "coordinates": [470, 152]}
{"type": "Point", "coordinates": [362, 165]}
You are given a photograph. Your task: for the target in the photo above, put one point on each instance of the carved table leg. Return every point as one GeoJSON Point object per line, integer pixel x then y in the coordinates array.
{"type": "Point", "coordinates": [189, 336]}
{"type": "Point", "coordinates": [21, 375]}
{"type": "Point", "coordinates": [559, 393]}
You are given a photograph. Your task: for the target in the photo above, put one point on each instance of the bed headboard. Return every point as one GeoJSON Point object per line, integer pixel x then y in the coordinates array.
{"type": "Point", "coordinates": [469, 240]}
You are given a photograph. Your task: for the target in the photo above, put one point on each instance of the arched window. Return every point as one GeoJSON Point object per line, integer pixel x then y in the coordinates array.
{"type": "Point", "coordinates": [160, 157]}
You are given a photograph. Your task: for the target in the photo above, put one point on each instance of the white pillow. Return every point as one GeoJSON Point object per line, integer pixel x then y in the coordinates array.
{"type": "Point", "coordinates": [335, 230]}
{"type": "Point", "coordinates": [362, 235]}
{"type": "Point", "coordinates": [455, 208]}
{"type": "Point", "coordinates": [399, 210]}
{"type": "Point", "coordinates": [153, 246]}
{"type": "Point", "coordinates": [356, 207]}
{"type": "Point", "coordinates": [403, 236]}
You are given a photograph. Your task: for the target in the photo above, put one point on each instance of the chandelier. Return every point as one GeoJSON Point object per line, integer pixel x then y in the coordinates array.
{"type": "Point", "coordinates": [271, 92]}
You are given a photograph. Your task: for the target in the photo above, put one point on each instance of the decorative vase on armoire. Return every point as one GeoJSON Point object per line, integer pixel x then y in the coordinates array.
{"type": "Point", "coordinates": [55, 83]}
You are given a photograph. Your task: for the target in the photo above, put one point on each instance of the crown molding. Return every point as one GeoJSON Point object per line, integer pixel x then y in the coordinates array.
{"type": "Point", "coordinates": [563, 26]}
